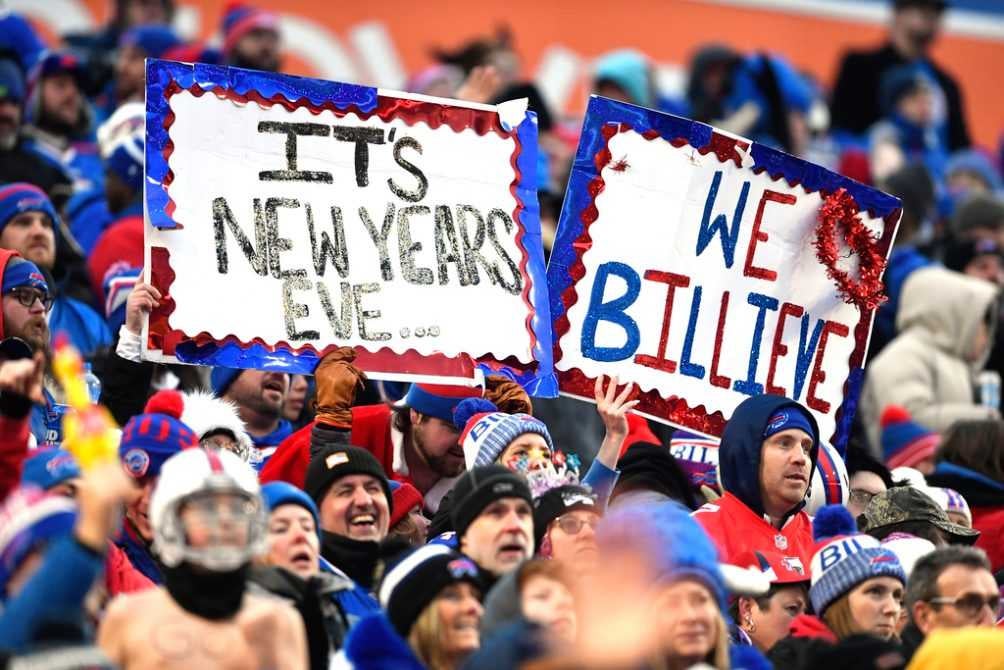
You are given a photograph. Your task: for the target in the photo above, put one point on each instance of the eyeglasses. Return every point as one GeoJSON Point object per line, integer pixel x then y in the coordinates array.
{"type": "Point", "coordinates": [860, 497]}
{"type": "Point", "coordinates": [971, 604]}
{"type": "Point", "coordinates": [27, 297]}
{"type": "Point", "coordinates": [573, 524]}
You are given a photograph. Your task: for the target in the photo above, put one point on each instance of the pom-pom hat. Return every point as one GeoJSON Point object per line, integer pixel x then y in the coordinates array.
{"type": "Point", "coordinates": [486, 432]}
{"type": "Point", "coordinates": [205, 414]}
{"type": "Point", "coordinates": [845, 558]}
{"type": "Point", "coordinates": [905, 442]}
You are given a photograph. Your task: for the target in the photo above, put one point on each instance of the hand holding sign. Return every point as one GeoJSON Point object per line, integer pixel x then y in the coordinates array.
{"type": "Point", "coordinates": [289, 217]}
{"type": "Point", "coordinates": [686, 262]}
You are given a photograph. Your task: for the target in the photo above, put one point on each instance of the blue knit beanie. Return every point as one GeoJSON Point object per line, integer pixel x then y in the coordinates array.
{"type": "Point", "coordinates": [845, 559]}
{"type": "Point", "coordinates": [21, 197]}
{"type": "Point", "coordinates": [148, 440]}
{"type": "Point", "coordinates": [666, 533]}
{"type": "Point", "coordinates": [221, 379]}
{"type": "Point", "coordinates": [46, 468]}
{"type": "Point", "coordinates": [486, 432]}
{"type": "Point", "coordinates": [276, 494]}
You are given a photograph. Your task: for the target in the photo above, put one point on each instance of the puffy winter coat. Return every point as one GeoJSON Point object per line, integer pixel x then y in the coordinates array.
{"type": "Point", "coordinates": [929, 368]}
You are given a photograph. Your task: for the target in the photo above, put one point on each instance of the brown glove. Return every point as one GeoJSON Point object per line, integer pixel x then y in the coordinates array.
{"type": "Point", "coordinates": [337, 381]}
{"type": "Point", "coordinates": [507, 395]}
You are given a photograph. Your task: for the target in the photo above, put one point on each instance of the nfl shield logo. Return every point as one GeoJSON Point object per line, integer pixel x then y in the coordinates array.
{"type": "Point", "coordinates": [780, 541]}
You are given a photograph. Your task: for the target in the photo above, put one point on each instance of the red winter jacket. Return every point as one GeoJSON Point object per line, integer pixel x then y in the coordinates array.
{"type": "Point", "coordinates": [120, 575]}
{"type": "Point", "coordinates": [13, 450]}
{"type": "Point", "coordinates": [370, 430]}
{"type": "Point", "coordinates": [735, 528]}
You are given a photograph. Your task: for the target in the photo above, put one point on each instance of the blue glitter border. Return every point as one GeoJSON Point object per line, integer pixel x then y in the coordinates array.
{"type": "Point", "coordinates": [603, 111]}
{"type": "Point", "coordinates": [160, 74]}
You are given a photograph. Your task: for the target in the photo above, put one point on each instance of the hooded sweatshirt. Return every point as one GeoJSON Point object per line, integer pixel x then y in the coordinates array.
{"type": "Point", "coordinates": [929, 368]}
{"type": "Point", "coordinates": [736, 522]}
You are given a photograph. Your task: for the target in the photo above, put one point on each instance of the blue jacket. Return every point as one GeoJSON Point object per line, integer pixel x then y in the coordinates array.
{"type": "Point", "coordinates": [87, 329]}
{"type": "Point", "coordinates": [54, 594]}
{"type": "Point", "coordinates": [375, 645]}
{"type": "Point", "coordinates": [742, 440]}
{"type": "Point", "coordinates": [355, 603]}
{"type": "Point", "coordinates": [601, 480]}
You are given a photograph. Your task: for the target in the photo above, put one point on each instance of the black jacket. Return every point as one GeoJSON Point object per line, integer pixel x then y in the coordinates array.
{"type": "Point", "coordinates": [856, 105]}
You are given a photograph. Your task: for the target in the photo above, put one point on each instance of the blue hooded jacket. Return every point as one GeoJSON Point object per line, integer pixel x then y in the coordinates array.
{"type": "Point", "coordinates": [742, 440]}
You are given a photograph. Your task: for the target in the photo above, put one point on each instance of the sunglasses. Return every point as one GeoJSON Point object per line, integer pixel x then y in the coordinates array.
{"type": "Point", "coordinates": [971, 604]}
{"type": "Point", "coordinates": [28, 296]}
{"type": "Point", "coordinates": [571, 525]}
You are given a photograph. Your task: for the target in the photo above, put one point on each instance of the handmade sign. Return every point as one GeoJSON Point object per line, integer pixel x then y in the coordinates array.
{"type": "Point", "coordinates": [706, 269]}
{"type": "Point", "coordinates": [288, 216]}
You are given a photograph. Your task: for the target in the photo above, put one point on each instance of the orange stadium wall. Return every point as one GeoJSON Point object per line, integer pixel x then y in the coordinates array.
{"type": "Point", "coordinates": [379, 43]}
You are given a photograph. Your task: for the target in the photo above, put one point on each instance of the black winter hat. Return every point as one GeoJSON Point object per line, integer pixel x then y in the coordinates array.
{"type": "Point", "coordinates": [651, 466]}
{"type": "Point", "coordinates": [978, 211]}
{"type": "Point", "coordinates": [479, 487]}
{"type": "Point", "coordinates": [412, 583]}
{"type": "Point", "coordinates": [341, 462]}
{"type": "Point", "coordinates": [557, 501]}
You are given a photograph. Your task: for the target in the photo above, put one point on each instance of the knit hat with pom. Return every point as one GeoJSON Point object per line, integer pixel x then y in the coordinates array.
{"type": "Point", "coordinates": [844, 558]}
{"type": "Point", "coordinates": [905, 442]}
{"type": "Point", "coordinates": [486, 432]}
{"type": "Point", "coordinates": [205, 414]}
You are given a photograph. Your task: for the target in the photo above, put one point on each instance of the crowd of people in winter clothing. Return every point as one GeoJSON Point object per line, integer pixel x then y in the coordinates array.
{"type": "Point", "coordinates": [256, 519]}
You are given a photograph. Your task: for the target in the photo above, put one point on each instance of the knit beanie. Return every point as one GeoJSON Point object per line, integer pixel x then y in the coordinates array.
{"type": "Point", "coordinates": [959, 253]}
{"type": "Point", "coordinates": [845, 558]}
{"type": "Point", "coordinates": [22, 272]}
{"type": "Point", "coordinates": [240, 19]}
{"type": "Point", "coordinates": [46, 468]}
{"type": "Point", "coordinates": [29, 518]}
{"type": "Point", "coordinates": [340, 462]}
{"type": "Point", "coordinates": [665, 533]}
{"type": "Point", "coordinates": [905, 442]}
{"type": "Point", "coordinates": [438, 400]}
{"type": "Point", "coordinates": [979, 211]}
{"type": "Point", "coordinates": [697, 455]}
{"type": "Point", "coordinates": [908, 549]}
{"type": "Point", "coordinates": [558, 501]}
{"type": "Point", "coordinates": [412, 583]}
{"type": "Point", "coordinates": [148, 440]}
{"type": "Point", "coordinates": [205, 414]}
{"type": "Point", "coordinates": [486, 432]}
{"type": "Point", "coordinates": [221, 378]}
{"type": "Point", "coordinates": [950, 500]}
{"type": "Point", "coordinates": [628, 69]}
{"type": "Point", "coordinates": [650, 467]}
{"type": "Point", "coordinates": [479, 487]}
{"type": "Point", "coordinates": [153, 39]}
{"type": "Point", "coordinates": [276, 494]}
{"type": "Point", "coordinates": [11, 81]}
{"type": "Point", "coordinates": [21, 197]}
{"type": "Point", "coordinates": [406, 498]}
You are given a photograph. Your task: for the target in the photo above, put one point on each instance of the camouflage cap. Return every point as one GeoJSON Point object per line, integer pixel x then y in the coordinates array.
{"type": "Point", "coordinates": [906, 503]}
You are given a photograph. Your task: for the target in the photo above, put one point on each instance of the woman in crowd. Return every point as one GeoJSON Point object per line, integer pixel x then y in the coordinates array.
{"type": "Point", "coordinates": [857, 585]}
{"type": "Point", "coordinates": [432, 610]}
{"type": "Point", "coordinates": [766, 619]}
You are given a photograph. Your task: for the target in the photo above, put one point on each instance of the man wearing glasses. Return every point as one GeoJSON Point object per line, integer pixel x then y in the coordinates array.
{"type": "Point", "coordinates": [565, 520]}
{"type": "Point", "coordinates": [26, 302]}
{"type": "Point", "coordinates": [951, 587]}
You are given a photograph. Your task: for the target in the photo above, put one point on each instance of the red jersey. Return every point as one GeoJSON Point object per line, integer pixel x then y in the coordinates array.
{"type": "Point", "coordinates": [735, 528]}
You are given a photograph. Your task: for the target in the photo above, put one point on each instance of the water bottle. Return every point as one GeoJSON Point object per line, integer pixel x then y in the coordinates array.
{"type": "Point", "coordinates": [990, 389]}
{"type": "Point", "coordinates": [93, 384]}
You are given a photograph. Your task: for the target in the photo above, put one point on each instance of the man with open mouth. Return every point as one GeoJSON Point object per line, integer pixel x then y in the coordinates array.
{"type": "Point", "coordinates": [260, 396]}
{"type": "Point", "coordinates": [354, 502]}
{"type": "Point", "coordinates": [492, 514]}
{"type": "Point", "coordinates": [765, 461]}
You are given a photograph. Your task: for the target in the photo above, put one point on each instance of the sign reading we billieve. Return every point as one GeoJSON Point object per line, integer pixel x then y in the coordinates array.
{"type": "Point", "coordinates": [288, 216]}
{"type": "Point", "coordinates": [688, 263]}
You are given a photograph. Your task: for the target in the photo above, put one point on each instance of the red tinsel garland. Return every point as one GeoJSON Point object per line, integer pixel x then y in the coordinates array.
{"type": "Point", "coordinates": [840, 209]}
